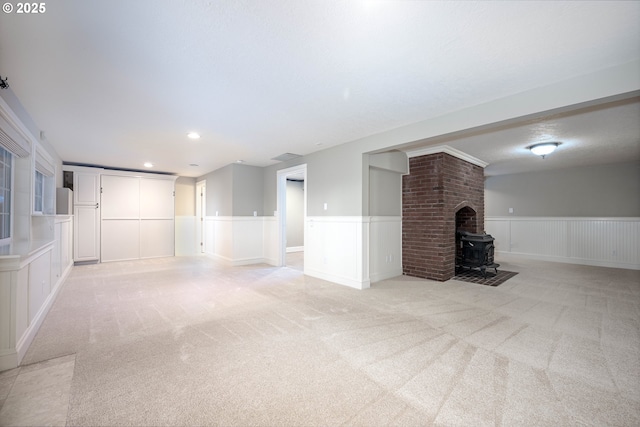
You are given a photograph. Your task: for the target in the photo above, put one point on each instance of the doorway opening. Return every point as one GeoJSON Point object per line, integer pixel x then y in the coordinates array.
{"type": "Point", "coordinates": [292, 214]}
{"type": "Point", "coordinates": [201, 213]}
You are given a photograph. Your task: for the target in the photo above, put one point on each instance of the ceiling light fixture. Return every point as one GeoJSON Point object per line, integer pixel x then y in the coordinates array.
{"type": "Point", "coordinates": [544, 148]}
{"type": "Point", "coordinates": [148, 165]}
{"type": "Point", "coordinates": [193, 135]}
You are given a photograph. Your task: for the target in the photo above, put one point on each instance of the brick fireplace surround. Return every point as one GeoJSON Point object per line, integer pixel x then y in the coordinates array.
{"type": "Point", "coordinates": [438, 186]}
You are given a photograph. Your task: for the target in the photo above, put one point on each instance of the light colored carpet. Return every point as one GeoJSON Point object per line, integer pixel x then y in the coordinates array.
{"type": "Point", "coordinates": [186, 341]}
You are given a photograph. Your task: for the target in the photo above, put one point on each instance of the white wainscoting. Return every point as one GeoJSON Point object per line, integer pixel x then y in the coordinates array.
{"type": "Point", "coordinates": [270, 236]}
{"type": "Point", "coordinates": [241, 240]}
{"type": "Point", "coordinates": [31, 275]}
{"type": "Point", "coordinates": [607, 242]}
{"type": "Point", "coordinates": [385, 243]}
{"type": "Point", "coordinates": [337, 249]}
{"type": "Point", "coordinates": [186, 237]}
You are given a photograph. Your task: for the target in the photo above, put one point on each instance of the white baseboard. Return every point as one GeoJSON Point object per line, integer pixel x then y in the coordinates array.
{"type": "Point", "coordinates": [346, 281]}
{"type": "Point", "coordinates": [568, 260]}
{"type": "Point", "coordinates": [295, 249]}
{"type": "Point", "coordinates": [385, 275]}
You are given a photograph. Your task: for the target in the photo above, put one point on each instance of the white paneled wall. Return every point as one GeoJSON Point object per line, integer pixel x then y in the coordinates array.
{"type": "Point", "coordinates": [608, 242]}
{"type": "Point", "coordinates": [248, 240]}
{"type": "Point", "coordinates": [186, 237]}
{"type": "Point", "coordinates": [235, 240]}
{"type": "Point", "coordinates": [31, 279]}
{"type": "Point", "coordinates": [385, 237]}
{"type": "Point", "coordinates": [352, 251]}
{"type": "Point", "coordinates": [270, 236]}
{"type": "Point", "coordinates": [337, 249]}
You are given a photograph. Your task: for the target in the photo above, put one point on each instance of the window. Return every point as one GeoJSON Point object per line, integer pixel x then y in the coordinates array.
{"type": "Point", "coordinates": [38, 198]}
{"type": "Point", "coordinates": [6, 160]}
{"type": "Point", "coordinates": [43, 183]}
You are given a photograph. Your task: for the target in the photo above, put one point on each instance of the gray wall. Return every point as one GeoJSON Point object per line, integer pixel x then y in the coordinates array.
{"type": "Point", "coordinates": [590, 191]}
{"type": "Point", "coordinates": [235, 190]}
{"type": "Point", "coordinates": [295, 213]}
{"type": "Point", "coordinates": [219, 192]}
{"type": "Point", "coordinates": [247, 190]}
{"type": "Point", "coordinates": [334, 177]}
{"type": "Point", "coordinates": [385, 193]}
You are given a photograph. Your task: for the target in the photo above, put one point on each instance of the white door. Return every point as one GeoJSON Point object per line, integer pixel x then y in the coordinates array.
{"type": "Point", "coordinates": [86, 224]}
{"type": "Point", "coordinates": [86, 188]}
{"type": "Point", "coordinates": [86, 239]}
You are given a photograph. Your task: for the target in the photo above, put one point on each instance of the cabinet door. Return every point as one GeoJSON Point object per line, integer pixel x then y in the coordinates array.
{"type": "Point", "coordinates": [86, 239]}
{"type": "Point", "coordinates": [120, 197]}
{"type": "Point", "coordinates": [86, 188]}
{"type": "Point", "coordinates": [157, 199]}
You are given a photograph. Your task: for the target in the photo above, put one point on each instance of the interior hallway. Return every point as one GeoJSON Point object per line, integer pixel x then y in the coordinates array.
{"type": "Point", "coordinates": [187, 341]}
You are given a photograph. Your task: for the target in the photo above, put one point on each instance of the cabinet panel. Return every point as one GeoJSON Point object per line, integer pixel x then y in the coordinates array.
{"type": "Point", "coordinates": [120, 197]}
{"type": "Point", "coordinates": [157, 199]}
{"type": "Point", "coordinates": [22, 302]}
{"type": "Point", "coordinates": [39, 283]}
{"type": "Point", "coordinates": [87, 233]}
{"type": "Point", "coordinates": [86, 188]}
{"type": "Point", "coordinates": [6, 301]}
{"type": "Point", "coordinates": [157, 238]}
{"type": "Point", "coordinates": [120, 239]}
{"type": "Point", "coordinates": [56, 266]}
{"type": "Point", "coordinates": [65, 245]}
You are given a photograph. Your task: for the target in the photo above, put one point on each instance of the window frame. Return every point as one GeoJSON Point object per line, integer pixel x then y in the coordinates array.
{"type": "Point", "coordinates": [10, 188]}
{"type": "Point", "coordinates": [38, 197]}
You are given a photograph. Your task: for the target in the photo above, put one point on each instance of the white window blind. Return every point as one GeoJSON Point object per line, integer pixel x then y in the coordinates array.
{"type": "Point", "coordinates": [44, 163]}
{"type": "Point", "coordinates": [12, 141]}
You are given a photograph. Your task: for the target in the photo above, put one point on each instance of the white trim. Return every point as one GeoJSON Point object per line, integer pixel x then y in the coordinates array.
{"type": "Point", "coordinates": [448, 150]}
{"type": "Point", "coordinates": [291, 249]}
{"type": "Point", "coordinates": [568, 260]}
{"type": "Point", "coordinates": [281, 206]}
{"type": "Point", "coordinates": [338, 279]}
{"type": "Point", "coordinates": [562, 218]}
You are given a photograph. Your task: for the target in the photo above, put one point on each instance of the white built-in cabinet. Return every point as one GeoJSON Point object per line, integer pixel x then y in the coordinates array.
{"type": "Point", "coordinates": [137, 217]}
{"type": "Point", "coordinates": [31, 274]}
{"type": "Point", "coordinates": [122, 215]}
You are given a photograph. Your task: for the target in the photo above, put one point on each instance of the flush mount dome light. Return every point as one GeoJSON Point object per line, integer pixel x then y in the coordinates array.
{"type": "Point", "coordinates": [544, 148]}
{"type": "Point", "coordinates": [193, 135]}
{"type": "Point", "coordinates": [148, 164]}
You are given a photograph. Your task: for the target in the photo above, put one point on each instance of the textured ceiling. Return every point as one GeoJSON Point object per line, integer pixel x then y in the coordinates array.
{"type": "Point", "coordinates": [118, 82]}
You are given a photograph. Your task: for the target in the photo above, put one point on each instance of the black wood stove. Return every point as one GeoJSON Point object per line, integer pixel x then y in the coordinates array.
{"type": "Point", "coordinates": [475, 251]}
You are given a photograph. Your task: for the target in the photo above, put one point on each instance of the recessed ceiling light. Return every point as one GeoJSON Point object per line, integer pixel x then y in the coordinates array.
{"type": "Point", "coordinates": [148, 165]}
{"type": "Point", "coordinates": [193, 135]}
{"type": "Point", "coordinates": [239, 161]}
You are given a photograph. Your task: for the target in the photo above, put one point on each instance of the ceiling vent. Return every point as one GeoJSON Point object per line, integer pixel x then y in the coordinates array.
{"type": "Point", "coordinates": [286, 156]}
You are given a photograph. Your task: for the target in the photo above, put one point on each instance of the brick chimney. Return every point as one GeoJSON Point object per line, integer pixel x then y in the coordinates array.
{"type": "Point", "coordinates": [438, 186]}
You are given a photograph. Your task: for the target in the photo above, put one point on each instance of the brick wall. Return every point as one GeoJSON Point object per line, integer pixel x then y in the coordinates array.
{"type": "Point", "coordinates": [438, 186]}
